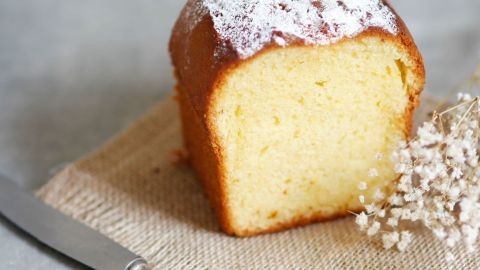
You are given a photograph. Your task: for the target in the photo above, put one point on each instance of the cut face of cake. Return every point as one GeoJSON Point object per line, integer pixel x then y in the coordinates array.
{"type": "Point", "coordinates": [300, 127]}
{"type": "Point", "coordinates": [284, 116]}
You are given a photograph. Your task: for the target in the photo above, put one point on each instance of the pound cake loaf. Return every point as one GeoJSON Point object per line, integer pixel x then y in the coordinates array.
{"type": "Point", "coordinates": [288, 105]}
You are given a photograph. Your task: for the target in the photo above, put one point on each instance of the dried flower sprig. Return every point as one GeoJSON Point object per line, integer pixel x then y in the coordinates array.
{"type": "Point", "coordinates": [439, 184]}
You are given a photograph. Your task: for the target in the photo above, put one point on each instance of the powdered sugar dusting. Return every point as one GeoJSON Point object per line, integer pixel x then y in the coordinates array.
{"type": "Point", "coordinates": [249, 25]}
{"type": "Point", "coordinates": [193, 13]}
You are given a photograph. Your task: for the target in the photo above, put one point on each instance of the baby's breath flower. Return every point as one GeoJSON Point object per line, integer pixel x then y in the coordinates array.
{"type": "Point", "coordinates": [453, 237]}
{"type": "Point", "coordinates": [362, 220]}
{"type": "Point", "coordinates": [402, 144]}
{"type": "Point", "coordinates": [374, 228]}
{"type": "Point", "coordinates": [449, 257]}
{"type": "Point", "coordinates": [362, 186]}
{"type": "Point", "coordinates": [415, 215]}
{"type": "Point", "coordinates": [464, 96]}
{"type": "Point", "coordinates": [454, 192]}
{"type": "Point", "coordinates": [395, 200]}
{"type": "Point", "coordinates": [400, 168]}
{"type": "Point", "coordinates": [457, 173]}
{"type": "Point", "coordinates": [361, 198]}
{"type": "Point", "coordinates": [392, 222]}
{"type": "Point", "coordinates": [378, 195]}
{"type": "Point", "coordinates": [405, 239]}
{"type": "Point", "coordinates": [372, 173]}
{"type": "Point", "coordinates": [396, 212]}
{"type": "Point", "coordinates": [439, 233]}
{"type": "Point", "coordinates": [371, 208]}
{"type": "Point", "coordinates": [439, 182]}
{"type": "Point", "coordinates": [390, 239]}
{"type": "Point", "coordinates": [406, 214]}
{"type": "Point", "coordinates": [424, 184]}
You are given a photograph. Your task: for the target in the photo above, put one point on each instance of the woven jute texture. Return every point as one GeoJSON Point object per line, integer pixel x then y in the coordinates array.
{"type": "Point", "coordinates": [134, 192]}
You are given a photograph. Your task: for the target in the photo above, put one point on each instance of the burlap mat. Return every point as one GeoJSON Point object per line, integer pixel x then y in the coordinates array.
{"type": "Point", "coordinates": [132, 191]}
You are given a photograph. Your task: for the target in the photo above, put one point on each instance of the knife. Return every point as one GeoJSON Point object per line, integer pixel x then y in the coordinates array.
{"type": "Point", "coordinates": [62, 233]}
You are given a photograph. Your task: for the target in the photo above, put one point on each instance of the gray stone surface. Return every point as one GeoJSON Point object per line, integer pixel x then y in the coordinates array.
{"type": "Point", "coordinates": [73, 73]}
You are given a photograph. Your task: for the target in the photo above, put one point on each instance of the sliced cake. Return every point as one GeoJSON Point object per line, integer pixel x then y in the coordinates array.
{"type": "Point", "coordinates": [288, 105]}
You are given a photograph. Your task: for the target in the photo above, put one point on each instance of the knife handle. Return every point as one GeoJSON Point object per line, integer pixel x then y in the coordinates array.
{"type": "Point", "coordinates": [138, 263]}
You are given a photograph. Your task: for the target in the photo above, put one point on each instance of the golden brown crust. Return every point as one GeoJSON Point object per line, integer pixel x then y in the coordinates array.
{"type": "Point", "coordinates": [199, 72]}
{"type": "Point", "coordinates": [204, 158]}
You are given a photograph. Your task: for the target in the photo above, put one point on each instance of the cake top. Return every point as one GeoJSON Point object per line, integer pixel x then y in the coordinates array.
{"type": "Point", "coordinates": [249, 25]}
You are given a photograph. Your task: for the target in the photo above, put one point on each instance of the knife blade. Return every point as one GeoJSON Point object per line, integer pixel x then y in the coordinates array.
{"type": "Point", "coordinates": [62, 233]}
